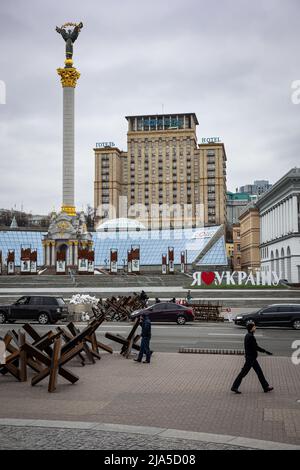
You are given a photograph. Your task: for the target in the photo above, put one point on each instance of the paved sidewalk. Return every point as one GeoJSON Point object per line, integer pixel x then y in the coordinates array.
{"type": "Point", "coordinates": [50, 435]}
{"type": "Point", "coordinates": [179, 392]}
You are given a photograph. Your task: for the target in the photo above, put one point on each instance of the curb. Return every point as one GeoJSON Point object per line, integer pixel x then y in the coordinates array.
{"type": "Point", "coordinates": [153, 431]}
{"type": "Point", "coordinates": [235, 352]}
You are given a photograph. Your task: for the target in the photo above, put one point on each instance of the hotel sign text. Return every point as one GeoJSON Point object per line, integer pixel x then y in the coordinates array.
{"type": "Point", "coordinates": [211, 140]}
{"type": "Point", "coordinates": [104, 144]}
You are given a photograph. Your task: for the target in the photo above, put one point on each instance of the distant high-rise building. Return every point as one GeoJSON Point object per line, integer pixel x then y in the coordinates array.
{"type": "Point", "coordinates": [257, 188]}
{"type": "Point", "coordinates": [163, 166]}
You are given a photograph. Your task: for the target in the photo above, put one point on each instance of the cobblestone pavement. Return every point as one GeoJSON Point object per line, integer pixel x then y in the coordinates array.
{"type": "Point", "coordinates": [186, 392]}
{"type": "Point", "coordinates": [27, 438]}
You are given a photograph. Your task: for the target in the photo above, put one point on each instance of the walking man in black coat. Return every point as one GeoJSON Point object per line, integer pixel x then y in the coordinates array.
{"type": "Point", "coordinates": [146, 336]}
{"type": "Point", "coordinates": [251, 348]}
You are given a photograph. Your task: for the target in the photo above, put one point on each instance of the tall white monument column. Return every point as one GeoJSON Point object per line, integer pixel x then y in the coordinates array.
{"type": "Point", "coordinates": [69, 76]}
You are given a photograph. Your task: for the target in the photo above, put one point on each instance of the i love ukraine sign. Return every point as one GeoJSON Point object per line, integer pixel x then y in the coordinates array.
{"type": "Point", "coordinates": [235, 278]}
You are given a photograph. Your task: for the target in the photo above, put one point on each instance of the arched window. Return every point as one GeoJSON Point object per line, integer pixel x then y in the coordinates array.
{"type": "Point", "coordinates": [272, 261]}
{"type": "Point", "coordinates": [277, 263]}
{"type": "Point", "coordinates": [289, 264]}
{"type": "Point", "coordinates": [282, 264]}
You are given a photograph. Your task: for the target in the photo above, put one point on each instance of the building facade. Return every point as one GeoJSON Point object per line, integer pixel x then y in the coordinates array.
{"type": "Point", "coordinates": [250, 239]}
{"type": "Point", "coordinates": [165, 175]}
{"type": "Point", "coordinates": [279, 227]}
{"type": "Point", "coordinates": [236, 203]}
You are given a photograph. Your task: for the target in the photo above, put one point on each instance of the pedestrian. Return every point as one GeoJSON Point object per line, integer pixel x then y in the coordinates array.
{"type": "Point", "coordinates": [188, 297]}
{"type": "Point", "coordinates": [251, 348]}
{"type": "Point", "coordinates": [173, 300]}
{"type": "Point", "coordinates": [157, 300]}
{"type": "Point", "coordinates": [144, 298]}
{"type": "Point", "coordinates": [146, 336]}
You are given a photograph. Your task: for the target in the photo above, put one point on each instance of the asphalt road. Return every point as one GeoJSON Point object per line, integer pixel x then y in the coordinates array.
{"type": "Point", "coordinates": [227, 299]}
{"type": "Point", "coordinates": [170, 337]}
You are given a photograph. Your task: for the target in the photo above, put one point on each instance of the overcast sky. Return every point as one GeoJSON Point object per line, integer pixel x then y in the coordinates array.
{"type": "Point", "coordinates": [232, 62]}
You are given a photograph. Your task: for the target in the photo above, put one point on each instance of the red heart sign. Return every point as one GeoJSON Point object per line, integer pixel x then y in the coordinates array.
{"type": "Point", "coordinates": [208, 277]}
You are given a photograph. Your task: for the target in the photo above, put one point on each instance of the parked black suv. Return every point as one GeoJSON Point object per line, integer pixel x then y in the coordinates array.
{"type": "Point", "coordinates": [273, 315]}
{"type": "Point", "coordinates": [40, 308]}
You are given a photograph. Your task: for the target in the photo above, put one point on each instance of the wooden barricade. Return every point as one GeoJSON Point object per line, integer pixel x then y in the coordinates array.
{"type": "Point", "coordinates": [48, 354]}
{"type": "Point", "coordinates": [206, 311]}
{"type": "Point", "coordinates": [128, 343]}
{"type": "Point", "coordinates": [119, 309]}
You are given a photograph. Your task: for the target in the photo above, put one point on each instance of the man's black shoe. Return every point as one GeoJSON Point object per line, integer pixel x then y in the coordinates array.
{"type": "Point", "coordinates": [146, 362]}
{"type": "Point", "coordinates": [235, 390]}
{"type": "Point", "coordinates": [268, 389]}
{"type": "Point", "coordinates": [137, 360]}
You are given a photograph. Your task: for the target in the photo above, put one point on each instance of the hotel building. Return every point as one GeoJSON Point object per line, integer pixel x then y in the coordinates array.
{"type": "Point", "coordinates": [163, 167]}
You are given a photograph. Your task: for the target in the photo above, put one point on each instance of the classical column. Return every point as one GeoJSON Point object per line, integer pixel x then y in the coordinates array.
{"type": "Point", "coordinates": [280, 219]}
{"type": "Point", "coordinates": [48, 254]}
{"type": "Point", "coordinates": [70, 253]}
{"type": "Point", "coordinates": [52, 254]}
{"type": "Point", "coordinates": [44, 253]}
{"type": "Point", "coordinates": [294, 214]}
{"type": "Point", "coordinates": [76, 253]}
{"type": "Point", "coordinates": [69, 76]}
{"type": "Point", "coordinates": [283, 219]}
{"type": "Point", "coordinates": [272, 224]}
{"type": "Point", "coordinates": [289, 215]}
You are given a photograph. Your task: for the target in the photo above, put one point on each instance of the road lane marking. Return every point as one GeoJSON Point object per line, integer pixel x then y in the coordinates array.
{"type": "Point", "coordinates": [232, 334]}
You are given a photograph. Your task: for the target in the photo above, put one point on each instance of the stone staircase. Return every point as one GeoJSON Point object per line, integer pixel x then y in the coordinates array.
{"type": "Point", "coordinates": [123, 280]}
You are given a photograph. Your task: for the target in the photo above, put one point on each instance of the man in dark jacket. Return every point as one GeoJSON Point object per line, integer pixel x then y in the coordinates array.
{"type": "Point", "coordinates": [251, 348]}
{"type": "Point", "coordinates": [146, 336]}
{"type": "Point", "coordinates": [144, 298]}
